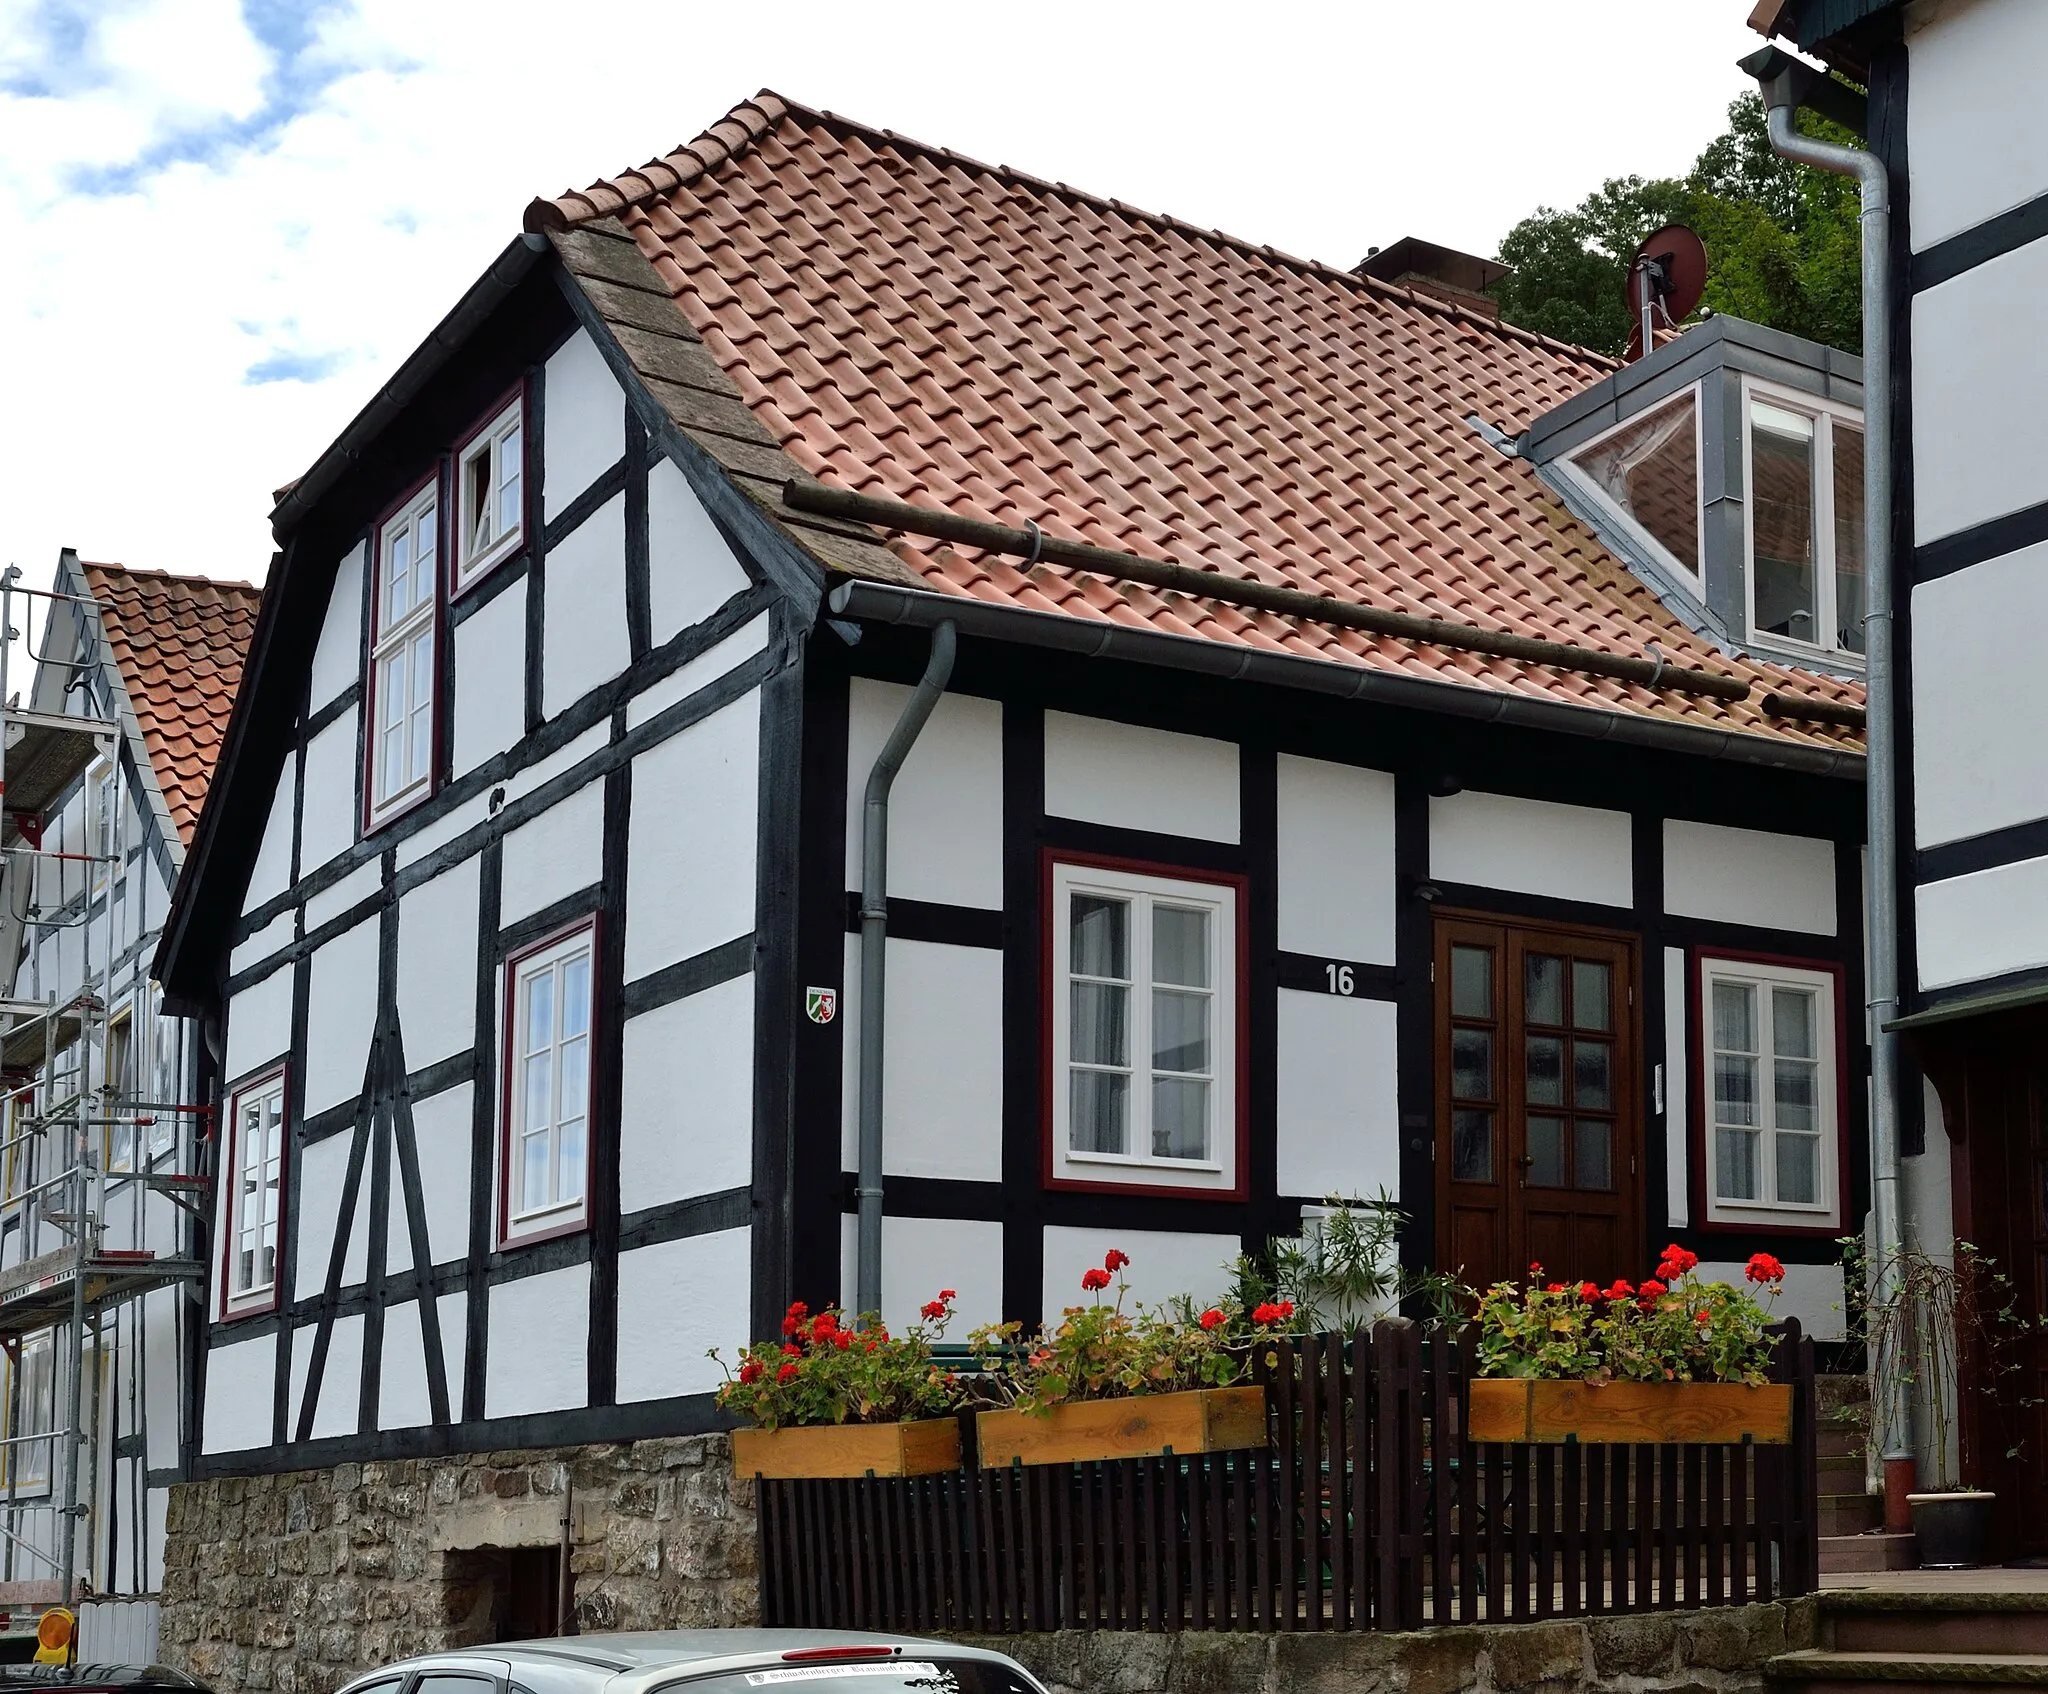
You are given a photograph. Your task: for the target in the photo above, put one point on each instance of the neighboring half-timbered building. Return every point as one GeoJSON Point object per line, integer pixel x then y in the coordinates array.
{"type": "Point", "coordinates": [527, 903]}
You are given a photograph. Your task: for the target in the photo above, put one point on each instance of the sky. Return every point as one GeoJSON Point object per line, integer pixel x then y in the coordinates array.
{"type": "Point", "coordinates": [225, 223]}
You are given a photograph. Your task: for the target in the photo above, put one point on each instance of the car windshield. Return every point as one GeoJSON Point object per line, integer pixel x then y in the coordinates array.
{"type": "Point", "coordinates": [854, 1676]}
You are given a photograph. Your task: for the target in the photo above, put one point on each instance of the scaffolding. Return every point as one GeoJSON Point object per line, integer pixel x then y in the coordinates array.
{"type": "Point", "coordinates": [66, 1101]}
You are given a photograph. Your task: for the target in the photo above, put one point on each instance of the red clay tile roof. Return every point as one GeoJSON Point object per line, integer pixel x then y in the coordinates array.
{"type": "Point", "coordinates": [178, 642]}
{"type": "Point", "coordinates": [906, 322]}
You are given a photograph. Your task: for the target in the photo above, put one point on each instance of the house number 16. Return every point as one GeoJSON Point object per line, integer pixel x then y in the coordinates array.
{"type": "Point", "coordinates": [1340, 978]}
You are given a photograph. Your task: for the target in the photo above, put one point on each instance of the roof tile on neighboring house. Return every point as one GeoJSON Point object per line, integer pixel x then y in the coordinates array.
{"type": "Point", "coordinates": [178, 642]}
{"type": "Point", "coordinates": [906, 322]}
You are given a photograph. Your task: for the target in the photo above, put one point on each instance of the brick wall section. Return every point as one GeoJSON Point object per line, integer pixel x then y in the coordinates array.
{"type": "Point", "coordinates": [298, 1581]}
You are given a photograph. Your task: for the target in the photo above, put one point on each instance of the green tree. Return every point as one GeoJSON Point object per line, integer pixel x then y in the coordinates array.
{"type": "Point", "coordinates": [1782, 243]}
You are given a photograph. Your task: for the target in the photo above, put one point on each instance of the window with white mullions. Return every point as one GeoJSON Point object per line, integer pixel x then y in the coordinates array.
{"type": "Point", "coordinates": [31, 1412]}
{"type": "Point", "coordinates": [402, 658]}
{"type": "Point", "coordinates": [492, 493]}
{"type": "Point", "coordinates": [1769, 1034]}
{"type": "Point", "coordinates": [549, 1087]}
{"type": "Point", "coordinates": [255, 1185]}
{"type": "Point", "coordinates": [1806, 524]}
{"type": "Point", "coordinates": [1144, 1031]}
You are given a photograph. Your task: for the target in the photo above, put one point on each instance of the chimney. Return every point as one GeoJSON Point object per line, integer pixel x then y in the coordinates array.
{"type": "Point", "coordinates": [1461, 278]}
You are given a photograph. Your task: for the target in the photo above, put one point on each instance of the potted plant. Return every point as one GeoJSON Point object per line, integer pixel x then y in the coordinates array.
{"type": "Point", "coordinates": [1104, 1383]}
{"type": "Point", "coordinates": [829, 1400]}
{"type": "Point", "coordinates": [1937, 1317]}
{"type": "Point", "coordinates": [1672, 1359]}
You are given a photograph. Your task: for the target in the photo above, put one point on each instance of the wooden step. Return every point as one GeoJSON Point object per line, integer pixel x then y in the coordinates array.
{"type": "Point", "coordinates": [1847, 1553]}
{"type": "Point", "coordinates": [1849, 1514]}
{"type": "Point", "coordinates": [1851, 1673]}
{"type": "Point", "coordinates": [1870, 1620]}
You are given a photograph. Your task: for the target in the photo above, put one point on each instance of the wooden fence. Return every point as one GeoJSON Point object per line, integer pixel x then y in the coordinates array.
{"type": "Point", "coordinates": [1366, 1510]}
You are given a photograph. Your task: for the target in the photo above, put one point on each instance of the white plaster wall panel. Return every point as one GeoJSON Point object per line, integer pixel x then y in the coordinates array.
{"type": "Point", "coordinates": [942, 1071]}
{"type": "Point", "coordinates": [676, 1300]}
{"type": "Point", "coordinates": [1117, 773]}
{"type": "Point", "coordinates": [322, 1176]}
{"type": "Point", "coordinates": [404, 1400]}
{"type": "Point", "coordinates": [437, 953]}
{"type": "Point", "coordinates": [1163, 1263]}
{"type": "Point", "coordinates": [241, 1388]}
{"type": "Point", "coordinates": [921, 1256]}
{"type": "Point", "coordinates": [1532, 847]}
{"type": "Point", "coordinates": [946, 809]}
{"type": "Point", "coordinates": [1974, 146]}
{"type": "Point", "coordinates": [162, 1367]}
{"type": "Point", "coordinates": [686, 1125]}
{"type": "Point", "coordinates": [544, 771]}
{"type": "Point", "coordinates": [1980, 761]}
{"type": "Point", "coordinates": [440, 1132]}
{"type": "Point", "coordinates": [271, 874]}
{"type": "Point", "coordinates": [327, 815]}
{"type": "Point", "coordinates": [1338, 1114]}
{"type": "Point", "coordinates": [431, 838]}
{"type": "Point", "coordinates": [583, 597]}
{"type": "Point", "coordinates": [1926, 1182]}
{"type": "Point", "coordinates": [1812, 1294]}
{"type": "Point", "coordinates": [583, 430]}
{"type": "Point", "coordinates": [490, 678]}
{"type": "Point", "coordinates": [339, 1409]}
{"type": "Point", "coordinates": [339, 897]}
{"type": "Point", "coordinates": [1336, 860]}
{"type": "Point", "coordinates": [1983, 924]}
{"type": "Point", "coordinates": [692, 572]}
{"type": "Point", "coordinates": [1677, 1122]}
{"type": "Point", "coordinates": [1749, 876]}
{"type": "Point", "coordinates": [1976, 395]}
{"type": "Point", "coordinates": [555, 854]}
{"type": "Point", "coordinates": [341, 1013]}
{"type": "Point", "coordinates": [690, 880]}
{"type": "Point", "coordinates": [707, 667]}
{"type": "Point", "coordinates": [538, 1358]}
{"type": "Point", "coordinates": [259, 1023]}
{"type": "Point", "coordinates": [338, 657]}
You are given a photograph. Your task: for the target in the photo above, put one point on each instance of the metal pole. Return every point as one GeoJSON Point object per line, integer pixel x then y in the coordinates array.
{"type": "Point", "coordinates": [1891, 1390]}
{"type": "Point", "coordinates": [874, 942]}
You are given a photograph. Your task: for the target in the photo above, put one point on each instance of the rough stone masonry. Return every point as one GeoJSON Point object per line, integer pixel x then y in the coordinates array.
{"type": "Point", "coordinates": [298, 1581]}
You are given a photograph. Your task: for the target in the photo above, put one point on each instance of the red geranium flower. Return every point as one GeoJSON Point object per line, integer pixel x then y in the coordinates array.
{"type": "Point", "coordinates": [934, 1309]}
{"type": "Point", "coordinates": [1652, 1291]}
{"type": "Point", "coordinates": [794, 1321]}
{"type": "Point", "coordinates": [1092, 1280]}
{"type": "Point", "coordinates": [1676, 1262]}
{"type": "Point", "coordinates": [1286, 1308]}
{"type": "Point", "coordinates": [1764, 1268]}
{"type": "Point", "coordinates": [1589, 1292]}
{"type": "Point", "coordinates": [1554, 1288]}
{"type": "Point", "coordinates": [751, 1371]}
{"type": "Point", "coordinates": [949, 1294]}
{"type": "Point", "coordinates": [1115, 1259]}
{"type": "Point", "coordinates": [791, 1348]}
{"type": "Point", "coordinates": [1620, 1290]}
{"type": "Point", "coordinates": [1534, 1268]}
{"type": "Point", "coordinates": [1273, 1311]}
{"type": "Point", "coordinates": [1213, 1319]}
{"type": "Point", "coordinates": [841, 1339]}
{"type": "Point", "coordinates": [789, 1370]}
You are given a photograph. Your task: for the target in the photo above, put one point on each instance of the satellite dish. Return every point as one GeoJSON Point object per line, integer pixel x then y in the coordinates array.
{"type": "Point", "coordinates": [1667, 274]}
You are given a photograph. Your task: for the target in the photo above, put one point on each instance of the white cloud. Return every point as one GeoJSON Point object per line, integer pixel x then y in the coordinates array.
{"type": "Point", "coordinates": [312, 193]}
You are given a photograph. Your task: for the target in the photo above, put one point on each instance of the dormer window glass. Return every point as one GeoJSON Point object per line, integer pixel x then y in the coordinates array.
{"type": "Point", "coordinates": [1806, 525]}
{"type": "Point", "coordinates": [1650, 468]}
{"type": "Point", "coordinates": [492, 486]}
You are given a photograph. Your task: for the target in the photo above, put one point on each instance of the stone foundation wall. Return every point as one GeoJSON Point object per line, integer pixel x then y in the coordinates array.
{"type": "Point", "coordinates": [296, 1582]}
{"type": "Point", "coordinates": [1718, 1651]}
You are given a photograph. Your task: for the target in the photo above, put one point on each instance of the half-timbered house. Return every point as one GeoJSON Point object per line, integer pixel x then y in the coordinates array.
{"type": "Point", "coordinates": [528, 901]}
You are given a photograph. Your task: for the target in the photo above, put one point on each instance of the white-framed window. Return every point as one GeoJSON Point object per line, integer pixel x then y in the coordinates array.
{"type": "Point", "coordinates": [1648, 471]}
{"type": "Point", "coordinates": [544, 1157]}
{"type": "Point", "coordinates": [402, 670]}
{"type": "Point", "coordinates": [116, 1102]}
{"type": "Point", "coordinates": [1803, 467]}
{"type": "Point", "coordinates": [165, 1085]}
{"type": "Point", "coordinates": [102, 821]}
{"type": "Point", "coordinates": [1770, 1046]}
{"type": "Point", "coordinates": [490, 483]}
{"type": "Point", "coordinates": [1144, 1025]}
{"type": "Point", "coordinates": [31, 1411]}
{"type": "Point", "coordinates": [251, 1203]}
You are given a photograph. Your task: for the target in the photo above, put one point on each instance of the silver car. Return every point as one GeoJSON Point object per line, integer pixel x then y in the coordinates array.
{"type": "Point", "coordinates": [707, 1661]}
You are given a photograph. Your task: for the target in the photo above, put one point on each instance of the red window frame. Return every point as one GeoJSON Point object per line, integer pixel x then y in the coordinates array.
{"type": "Point", "coordinates": [374, 818]}
{"type": "Point", "coordinates": [572, 1221]}
{"type": "Point", "coordinates": [228, 1307]}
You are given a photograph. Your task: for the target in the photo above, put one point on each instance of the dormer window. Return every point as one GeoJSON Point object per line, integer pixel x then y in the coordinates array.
{"type": "Point", "coordinates": [1806, 524]}
{"type": "Point", "coordinates": [492, 489]}
{"type": "Point", "coordinates": [1650, 469]}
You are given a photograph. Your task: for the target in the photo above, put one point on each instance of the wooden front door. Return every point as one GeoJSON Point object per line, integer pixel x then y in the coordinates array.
{"type": "Point", "coordinates": [1538, 1117]}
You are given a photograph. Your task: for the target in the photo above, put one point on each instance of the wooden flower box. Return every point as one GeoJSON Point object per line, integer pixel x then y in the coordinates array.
{"type": "Point", "coordinates": [1628, 1413]}
{"type": "Point", "coordinates": [1201, 1420]}
{"type": "Point", "coordinates": [849, 1449]}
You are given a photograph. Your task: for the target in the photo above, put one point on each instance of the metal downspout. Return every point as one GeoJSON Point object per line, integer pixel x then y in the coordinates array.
{"type": "Point", "coordinates": [1891, 1392]}
{"type": "Point", "coordinates": [874, 940]}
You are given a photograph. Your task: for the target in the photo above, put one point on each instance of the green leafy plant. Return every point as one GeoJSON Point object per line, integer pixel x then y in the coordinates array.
{"type": "Point", "coordinates": [1343, 1272]}
{"type": "Point", "coordinates": [822, 1372]}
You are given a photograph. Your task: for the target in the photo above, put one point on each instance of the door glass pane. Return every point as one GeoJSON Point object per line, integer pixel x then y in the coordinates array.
{"type": "Point", "coordinates": [1471, 1064]}
{"type": "Point", "coordinates": [1592, 994]}
{"type": "Point", "coordinates": [1180, 946]}
{"type": "Point", "coordinates": [1472, 982]}
{"type": "Point", "coordinates": [1593, 1145]}
{"type": "Point", "coordinates": [1546, 1070]}
{"type": "Point", "coordinates": [1472, 1146]}
{"type": "Point", "coordinates": [1592, 1075]}
{"type": "Point", "coordinates": [1792, 1023]}
{"type": "Point", "coordinates": [1101, 937]}
{"type": "Point", "coordinates": [1796, 1162]}
{"type": "Point", "coordinates": [1544, 990]}
{"type": "Point", "coordinates": [1099, 1103]}
{"type": "Point", "coordinates": [1735, 1164]}
{"type": "Point", "coordinates": [1546, 1152]}
{"type": "Point", "coordinates": [1849, 602]}
{"type": "Point", "coordinates": [1781, 458]}
{"type": "Point", "coordinates": [1180, 1118]}
{"type": "Point", "coordinates": [1180, 1029]}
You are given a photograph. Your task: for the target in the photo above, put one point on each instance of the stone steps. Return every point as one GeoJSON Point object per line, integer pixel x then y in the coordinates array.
{"type": "Point", "coordinates": [1874, 1639]}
